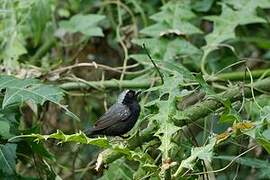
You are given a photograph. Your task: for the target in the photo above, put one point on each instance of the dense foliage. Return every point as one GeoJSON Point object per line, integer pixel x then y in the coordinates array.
{"type": "Point", "coordinates": [205, 107]}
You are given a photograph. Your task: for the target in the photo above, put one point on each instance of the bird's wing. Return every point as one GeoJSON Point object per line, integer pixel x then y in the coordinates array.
{"type": "Point", "coordinates": [116, 113]}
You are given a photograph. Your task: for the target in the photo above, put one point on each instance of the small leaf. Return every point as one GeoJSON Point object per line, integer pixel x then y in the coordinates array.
{"type": "Point", "coordinates": [204, 153]}
{"type": "Point", "coordinates": [86, 24]}
{"type": "Point", "coordinates": [242, 126]}
{"type": "Point", "coordinates": [227, 118]}
{"type": "Point", "coordinates": [263, 141]}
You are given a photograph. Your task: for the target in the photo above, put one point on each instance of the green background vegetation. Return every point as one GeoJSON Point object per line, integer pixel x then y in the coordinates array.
{"type": "Point", "coordinates": [64, 62]}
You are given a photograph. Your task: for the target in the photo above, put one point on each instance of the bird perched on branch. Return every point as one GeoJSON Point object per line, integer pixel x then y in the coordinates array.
{"type": "Point", "coordinates": [120, 117]}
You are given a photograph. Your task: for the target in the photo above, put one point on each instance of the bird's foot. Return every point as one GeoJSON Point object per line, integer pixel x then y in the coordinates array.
{"type": "Point", "coordinates": [125, 137]}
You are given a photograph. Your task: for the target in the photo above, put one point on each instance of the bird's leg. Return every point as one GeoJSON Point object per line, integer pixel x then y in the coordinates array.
{"type": "Point", "coordinates": [117, 139]}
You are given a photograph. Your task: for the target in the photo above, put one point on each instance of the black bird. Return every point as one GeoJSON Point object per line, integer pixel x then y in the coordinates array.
{"type": "Point", "coordinates": [120, 117]}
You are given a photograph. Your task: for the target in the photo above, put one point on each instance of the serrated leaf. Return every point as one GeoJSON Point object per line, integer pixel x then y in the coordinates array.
{"type": "Point", "coordinates": [204, 153]}
{"type": "Point", "coordinates": [225, 24]}
{"type": "Point", "coordinates": [59, 135]}
{"type": "Point", "coordinates": [21, 90]}
{"type": "Point", "coordinates": [167, 110]}
{"type": "Point", "coordinates": [8, 158]}
{"type": "Point", "coordinates": [175, 17]}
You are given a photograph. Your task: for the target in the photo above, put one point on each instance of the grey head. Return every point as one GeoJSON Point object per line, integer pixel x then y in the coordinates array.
{"type": "Point", "coordinates": [128, 96]}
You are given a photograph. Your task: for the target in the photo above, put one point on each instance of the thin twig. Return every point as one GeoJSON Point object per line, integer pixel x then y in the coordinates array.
{"type": "Point", "coordinates": [127, 9]}
{"type": "Point", "coordinates": [156, 67]}
{"type": "Point", "coordinates": [228, 165]}
{"type": "Point", "coordinates": [93, 64]}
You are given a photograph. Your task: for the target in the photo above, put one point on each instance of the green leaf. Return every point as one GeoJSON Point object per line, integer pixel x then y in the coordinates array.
{"type": "Point", "coordinates": [13, 50]}
{"type": "Point", "coordinates": [263, 141]}
{"type": "Point", "coordinates": [265, 113]}
{"type": "Point", "coordinates": [8, 158]}
{"type": "Point", "coordinates": [21, 90]}
{"type": "Point", "coordinates": [41, 150]}
{"type": "Point", "coordinates": [204, 153]}
{"type": "Point", "coordinates": [86, 24]}
{"type": "Point", "coordinates": [202, 6]}
{"type": "Point", "coordinates": [167, 110]}
{"type": "Point", "coordinates": [146, 162]}
{"type": "Point", "coordinates": [40, 15]}
{"type": "Point", "coordinates": [225, 24]}
{"type": "Point", "coordinates": [166, 52]}
{"type": "Point", "coordinates": [205, 87]}
{"type": "Point", "coordinates": [227, 118]}
{"type": "Point", "coordinates": [118, 170]}
{"type": "Point", "coordinates": [175, 17]}
{"type": "Point", "coordinates": [4, 129]}
{"type": "Point", "coordinates": [240, 4]}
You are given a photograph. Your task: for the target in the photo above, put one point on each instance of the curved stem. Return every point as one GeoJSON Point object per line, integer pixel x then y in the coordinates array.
{"type": "Point", "coordinates": [203, 63]}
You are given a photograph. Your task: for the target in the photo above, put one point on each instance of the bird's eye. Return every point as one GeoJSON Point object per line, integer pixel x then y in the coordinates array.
{"type": "Point", "coordinates": [130, 94]}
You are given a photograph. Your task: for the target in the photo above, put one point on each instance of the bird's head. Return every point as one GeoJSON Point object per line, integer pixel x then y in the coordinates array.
{"type": "Point", "coordinates": [128, 96]}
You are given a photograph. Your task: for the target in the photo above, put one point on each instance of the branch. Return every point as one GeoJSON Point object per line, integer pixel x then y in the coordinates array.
{"type": "Point", "coordinates": [239, 75]}
{"type": "Point", "coordinates": [108, 84]}
{"type": "Point", "coordinates": [234, 76]}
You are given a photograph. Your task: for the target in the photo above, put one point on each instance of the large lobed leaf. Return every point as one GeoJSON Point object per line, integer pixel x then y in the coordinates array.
{"type": "Point", "coordinates": [243, 12]}
{"type": "Point", "coordinates": [175, 18]}
{"type": "Point", "coordinates": [19, 91]}
{"type": "Point", "coordinates": [166, 104]}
